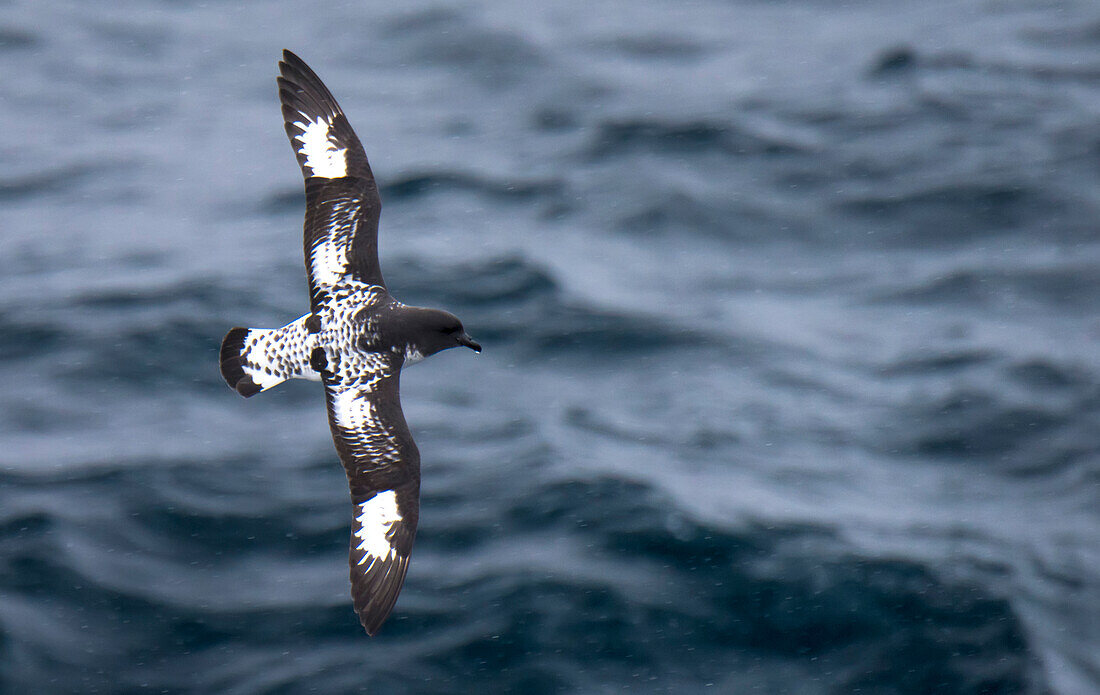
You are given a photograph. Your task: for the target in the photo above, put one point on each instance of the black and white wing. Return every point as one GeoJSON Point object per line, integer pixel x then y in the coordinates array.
{"type": "Point", "coordinates": [383, 468]}
{"type": "Point", "coordinates": [342, 203]}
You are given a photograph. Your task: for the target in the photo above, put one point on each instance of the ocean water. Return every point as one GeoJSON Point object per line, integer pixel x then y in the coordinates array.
{"type": "Point", "coordinates": [791, 380]}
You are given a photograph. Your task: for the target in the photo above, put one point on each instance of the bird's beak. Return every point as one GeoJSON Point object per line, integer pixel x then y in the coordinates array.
{"type": "Point", "coordinates": [469, 342]}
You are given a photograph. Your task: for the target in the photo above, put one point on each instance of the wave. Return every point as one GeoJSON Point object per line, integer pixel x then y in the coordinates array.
{"type": "Point", "coordinates": [12, 39]}
{"type": "Point", "coordinates": [591, 565]}
{"type": "Point", "coordinates": [620, 137]}
{"type": "Point", "coordinates": [1069, 287]}
{"type": "Point", "coordinates": [954, 213]}
{"type": "Point", "coordinates": [416, 185]}
{"type": "Point", "coordinates": [65, 178]}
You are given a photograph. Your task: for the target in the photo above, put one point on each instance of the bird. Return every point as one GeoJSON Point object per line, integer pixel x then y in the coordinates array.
{"type": "Point", "coordinates": [355, 339]}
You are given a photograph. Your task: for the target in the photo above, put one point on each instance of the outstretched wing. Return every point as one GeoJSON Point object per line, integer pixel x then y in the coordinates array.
{"type": "Point", "coordinates": [342, 203]}
{"type": "Point", "coordinates": [383, 468]}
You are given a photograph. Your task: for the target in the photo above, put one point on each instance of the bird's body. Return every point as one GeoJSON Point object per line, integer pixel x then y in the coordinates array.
{"type": "Point", "coordinates": [355, 339]}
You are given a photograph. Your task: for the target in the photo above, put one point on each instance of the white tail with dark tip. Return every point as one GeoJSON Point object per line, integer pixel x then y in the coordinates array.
{"type": "Point", "coordinates": [256, 359]}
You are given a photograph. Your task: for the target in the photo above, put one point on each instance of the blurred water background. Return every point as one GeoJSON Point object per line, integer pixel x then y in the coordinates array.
{"type": "Point", "coordinates": [792, 367]}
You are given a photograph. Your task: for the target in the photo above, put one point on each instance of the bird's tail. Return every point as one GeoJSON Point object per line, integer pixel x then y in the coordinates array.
{"type": "Point", "coordinates": [256, 359]}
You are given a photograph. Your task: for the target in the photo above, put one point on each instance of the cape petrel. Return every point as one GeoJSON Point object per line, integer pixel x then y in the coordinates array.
{"type": "Point", "coordinates": [355, 339]}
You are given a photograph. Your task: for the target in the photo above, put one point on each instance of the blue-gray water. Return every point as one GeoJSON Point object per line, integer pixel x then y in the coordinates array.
{"type": "Point", "coordinates": [792, 368]}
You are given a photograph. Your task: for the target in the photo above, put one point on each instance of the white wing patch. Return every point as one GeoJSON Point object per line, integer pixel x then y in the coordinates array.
{"type": "Point", "coordinates": [329, 256]}
{"type": "Point", "coordinates": [376, 518]}
{"type": "Point", "coordinates": [328, 261]}
{"type": "Point", "coordinates": [351, 410]}
{"type": "Point", "coordinates": [322, 156]}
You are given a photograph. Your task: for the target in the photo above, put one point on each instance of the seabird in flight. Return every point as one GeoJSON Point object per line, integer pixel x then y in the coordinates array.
{"type": "Point", "coordinates": [355, 339]}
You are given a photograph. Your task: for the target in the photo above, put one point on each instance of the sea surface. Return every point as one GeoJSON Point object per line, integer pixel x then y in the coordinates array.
{"type": "Point", "coordinates": [791, 315]}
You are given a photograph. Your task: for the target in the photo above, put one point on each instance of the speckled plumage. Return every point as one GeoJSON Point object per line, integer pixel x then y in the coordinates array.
{"type": "Point", "coordinates": [356, 339]}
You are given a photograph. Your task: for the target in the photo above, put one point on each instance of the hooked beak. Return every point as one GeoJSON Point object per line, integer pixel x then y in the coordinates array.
{"type": "Point", "coordinates": [469, 342]}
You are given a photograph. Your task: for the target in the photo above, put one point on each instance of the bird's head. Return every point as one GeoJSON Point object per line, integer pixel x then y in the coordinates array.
{"type": "Point", "coordinates": [431, 331]}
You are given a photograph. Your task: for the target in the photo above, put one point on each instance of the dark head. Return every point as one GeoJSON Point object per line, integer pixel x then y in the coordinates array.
{"type": "Point", "coordinates": [431, 331]}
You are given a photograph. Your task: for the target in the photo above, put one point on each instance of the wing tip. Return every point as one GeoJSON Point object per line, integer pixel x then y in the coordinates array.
{"type": "Point", "coordinates": [299, 81]}
{"type": "Point", "coordinates": [375, 601]}
{"type": "Point", "coordinates": [290, 62]}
